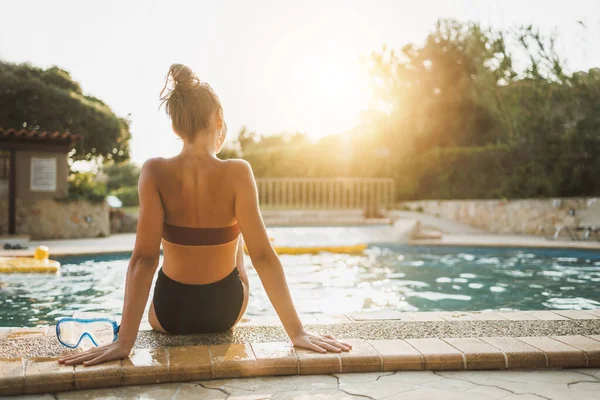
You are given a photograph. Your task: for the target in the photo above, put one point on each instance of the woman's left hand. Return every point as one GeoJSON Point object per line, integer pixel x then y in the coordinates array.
{"type": "Point", "coordinates": [319, 343]}
{"type": "Point", "coordinates": [97, 355]}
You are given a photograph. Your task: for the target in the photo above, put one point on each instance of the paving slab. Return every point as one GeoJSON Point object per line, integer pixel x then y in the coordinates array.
{"type": "Point", "coordinates": [189, 363]}
{"type": "Point", "coordinates": [487, 316]}
{"type": "Point", "coordinates": [576, 314]}
{"type": "Point", "coordinates": [12, 374]}
{"type": "Point", "coordinates": [275, 358]}
{"type": "Point", "coordinates": [589, 346]}
{"type": "Point", "coordinates": [547, 315]}
{"type": "Point", "coordinates": [146, 366]}
{"type": "Point", "coordinates": [479, 354]}
{"type": "Point", "coordinates": [311, 363]}
{"type": "Point", "coordinates": [397, 355]}
{"type": "Point", "coordinates": [109, 374]}
{"type": "Point", "coordinates": [558, 354]}
{"type": "Point", "coordinates": [361, 358]}
{"type": "Point", "coordinates": [518, 316]}
{"type": "Point", "coordinates": [437, 354]}
{"type": "Point", "coordinates": [45, 374]}
{"type": "Point", "coordinates": [233, 360]}
{"type": "Point", "coordinates": [518, 354]}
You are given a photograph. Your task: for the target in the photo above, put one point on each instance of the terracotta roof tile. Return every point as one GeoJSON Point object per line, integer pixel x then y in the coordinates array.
{"type": "Point", "coordinates": [43, 135]}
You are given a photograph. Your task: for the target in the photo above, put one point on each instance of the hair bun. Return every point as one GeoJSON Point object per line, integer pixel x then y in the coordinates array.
{"type": "Point", "coordinates": [189, 102]}
{"type": "Point", "coordinates": [182, 74]}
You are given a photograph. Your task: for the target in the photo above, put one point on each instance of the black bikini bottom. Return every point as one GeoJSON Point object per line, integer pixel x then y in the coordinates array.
{"type": "Point", "coordinates": [210, 308]}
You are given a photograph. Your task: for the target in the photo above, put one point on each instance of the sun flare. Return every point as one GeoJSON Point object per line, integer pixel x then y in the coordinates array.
{"type": "Point", "coordinates": [331, 87]}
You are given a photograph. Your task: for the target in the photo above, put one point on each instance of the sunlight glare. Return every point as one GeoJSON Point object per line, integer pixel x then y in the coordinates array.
{"type": "Point", "coordinates": [331, 86]}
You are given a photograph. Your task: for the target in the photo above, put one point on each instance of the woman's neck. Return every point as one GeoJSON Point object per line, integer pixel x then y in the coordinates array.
{"type": "Point", "coordinates": [201, 147]}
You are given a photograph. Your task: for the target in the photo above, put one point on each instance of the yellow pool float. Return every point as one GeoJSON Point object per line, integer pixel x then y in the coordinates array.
{"type": "Point", "coordinates": [39, 263]}
{"type": "Point", "coordinates": [351, 249]}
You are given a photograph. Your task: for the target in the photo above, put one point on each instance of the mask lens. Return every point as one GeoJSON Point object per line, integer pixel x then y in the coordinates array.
{"type": "Point", "coordinates": [71, 332]}
{"type": "Point", "coordinates": [68, 332]}
{"type": "Point", "coordinates": [101, 331]}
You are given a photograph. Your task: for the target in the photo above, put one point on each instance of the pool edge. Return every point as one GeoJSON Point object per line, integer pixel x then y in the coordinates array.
{"type": "Point", "coordinates": [201, 362]}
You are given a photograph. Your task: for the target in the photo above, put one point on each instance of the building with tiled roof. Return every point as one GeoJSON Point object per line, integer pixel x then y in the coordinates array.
{"type": "Point", "coordinates": [33, 167]}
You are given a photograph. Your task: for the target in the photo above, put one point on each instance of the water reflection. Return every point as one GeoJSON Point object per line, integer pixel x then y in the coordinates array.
{"type": "Point", "coordinates": [404, 278]}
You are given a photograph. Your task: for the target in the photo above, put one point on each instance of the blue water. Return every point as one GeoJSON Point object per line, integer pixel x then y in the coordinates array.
{"type": "Point", "coordinates": [400, 277]}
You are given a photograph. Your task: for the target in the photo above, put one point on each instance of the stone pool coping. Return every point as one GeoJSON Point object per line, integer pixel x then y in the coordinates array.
{"type": "Point", "coordinates": [123, 244]}
{"type": "Point", "coordinates": [193, 362]}
{"type": "Point", "coordinates": [511, 241]}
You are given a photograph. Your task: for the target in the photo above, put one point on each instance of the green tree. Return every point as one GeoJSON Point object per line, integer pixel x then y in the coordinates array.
{"type": "Point", "coordinates": [49, 99]}
{"type": "Point", "coordinates": [457, 109]}
{"type": "Point", "coordinates": [440, 94]}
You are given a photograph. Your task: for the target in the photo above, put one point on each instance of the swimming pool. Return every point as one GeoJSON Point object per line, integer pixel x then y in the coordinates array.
{"type": "Point", "coordinates": [399, 277]}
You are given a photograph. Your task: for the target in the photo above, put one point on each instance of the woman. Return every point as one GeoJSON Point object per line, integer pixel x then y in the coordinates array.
{"type": "Point", "coordinates": [198, 205]}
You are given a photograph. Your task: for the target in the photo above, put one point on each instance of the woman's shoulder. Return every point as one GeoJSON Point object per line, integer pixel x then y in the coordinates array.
{"type": "Point", "coordinates": [153, 167]}
{"type": "Point", "coordinates": [238, 170]}
{"type": "Point", "coordinates": [153, 161]}
{"type": "Point", "coordinates": [237, 163]}
{"type": "Point", "coordinates": [152, 164]}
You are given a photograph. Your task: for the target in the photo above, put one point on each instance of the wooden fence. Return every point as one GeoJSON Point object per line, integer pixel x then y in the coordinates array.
{"type": "Point", "coordinates": [325, 193]}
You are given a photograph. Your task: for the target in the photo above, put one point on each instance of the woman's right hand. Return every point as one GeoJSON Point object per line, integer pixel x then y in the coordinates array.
{"type": "Point", "coordinates": [96, 355]}
{"type": "Point", "coordinates": [319, 343]}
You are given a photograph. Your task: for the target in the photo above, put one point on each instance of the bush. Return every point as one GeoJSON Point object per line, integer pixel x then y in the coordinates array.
{"type": "Point", "coordinates": [128, 195]}
{"type": "Point", "coordinates": [120, 222]}
{"type": "Point", "coordinates": [83, 186]}
{"type": "Point", "coordinates": [460, 172]}
{"type": "Point", "coordinates": [121, 175]}
{"type": "Point", "coordinates": [228, 152]}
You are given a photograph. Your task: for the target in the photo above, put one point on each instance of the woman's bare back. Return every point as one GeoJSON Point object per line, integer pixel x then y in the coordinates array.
{"type": "Point", "coordinates": [197, 192]}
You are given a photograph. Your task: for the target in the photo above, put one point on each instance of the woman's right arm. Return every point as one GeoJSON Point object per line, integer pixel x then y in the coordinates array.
{"type": "Point", "coordinates": [140, 272]}
{"type": "Point", "coordinates": [268, 266]}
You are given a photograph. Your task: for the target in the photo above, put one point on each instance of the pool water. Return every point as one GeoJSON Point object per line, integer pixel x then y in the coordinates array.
{"type": "Point", "coordinates": [399, 277]}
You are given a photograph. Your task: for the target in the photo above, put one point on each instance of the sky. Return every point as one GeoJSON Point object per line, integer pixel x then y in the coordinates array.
{"type": "Point", "coordinates": [278, 66]}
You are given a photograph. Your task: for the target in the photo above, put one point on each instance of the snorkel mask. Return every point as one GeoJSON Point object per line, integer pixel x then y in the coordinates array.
{"type": "Point", "coordinates": [71, 331]}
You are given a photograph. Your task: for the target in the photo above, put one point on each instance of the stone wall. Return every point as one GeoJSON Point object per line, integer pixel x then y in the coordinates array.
{"type": "Point", "coordinates": [520, 216]}
{"type": "Point", "coordinates": [51, 219]}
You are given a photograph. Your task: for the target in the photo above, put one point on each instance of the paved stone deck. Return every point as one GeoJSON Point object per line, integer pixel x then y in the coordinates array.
{"type": "Point", "coordinates": [573, 384]}
{"type": "Point", "coordinates": [23, 371]}
{"type": "Point", "coordinates": [117, 243]}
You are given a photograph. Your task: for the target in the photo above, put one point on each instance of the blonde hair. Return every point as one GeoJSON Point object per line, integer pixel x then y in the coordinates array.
{"type": "Point", "coordinates": [189, 102]}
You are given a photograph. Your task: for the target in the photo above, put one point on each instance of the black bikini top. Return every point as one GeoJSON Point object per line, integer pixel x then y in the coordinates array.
{"type": "Point", "coordinates": [188, 236]}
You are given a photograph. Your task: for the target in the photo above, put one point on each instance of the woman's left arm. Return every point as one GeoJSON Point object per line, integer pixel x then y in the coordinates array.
{"type": "Point", "coordinates": [140, 273]}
